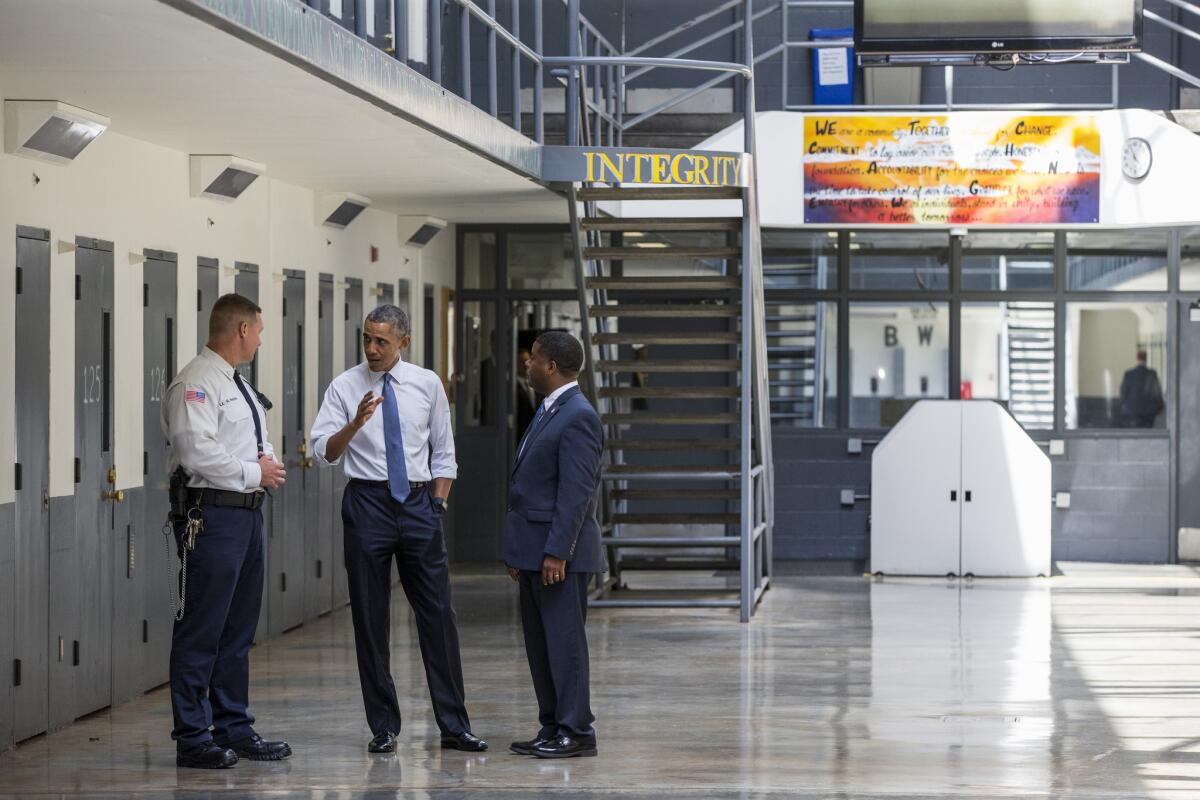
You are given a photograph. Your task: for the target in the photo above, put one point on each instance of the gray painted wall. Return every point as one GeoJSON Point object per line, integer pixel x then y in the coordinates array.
{"type": "Point", "coordinates": [1120, 499]}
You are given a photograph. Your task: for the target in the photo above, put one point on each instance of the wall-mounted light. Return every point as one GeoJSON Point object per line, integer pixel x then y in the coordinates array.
{"type": "Point", "coordinates": [222, 177]}
{"type": "Point", "coordinates": [338, 209]}
{"type": "Point", "coordinates": [49, 130]}
{"type": "Point", "coordinates": [419, 231]}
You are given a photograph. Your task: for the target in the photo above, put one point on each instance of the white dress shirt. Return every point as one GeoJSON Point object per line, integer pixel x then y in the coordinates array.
{"type": "Point", "coordinates": [424, 420]}
{"type": "Point", "coordinates": [210, 427]}
{"type": "Point", "coordinates": [547, 404]}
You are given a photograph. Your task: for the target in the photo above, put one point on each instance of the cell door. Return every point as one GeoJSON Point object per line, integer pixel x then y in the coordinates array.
{"type": "Point", "coordinates": [288, 539]}
{"type": "Point", "coordinates": [352, 320]}
{"type": "Point", "coordinates": [1187, 444]}
{"type": "Point", "coordinates": [91, 647]}
{"type": "Point", "coordinates": [319, 536]}
{"type": "Point", "coordinates": [207, 292]}
{"type": "Point", "coordinates": [30, 601]}
{"type": "Point", "coordinates": [386, 294]}
{"type": "Point", "coordinates": [245, 283]}
{"type": "Point", "coordinates": [159, 315]}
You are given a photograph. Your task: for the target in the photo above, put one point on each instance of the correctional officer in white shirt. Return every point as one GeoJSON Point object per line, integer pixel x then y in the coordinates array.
{"type": "Point", "coordinates": [216, 429]}
{"type": "Point", "coordinates": [390, 421]}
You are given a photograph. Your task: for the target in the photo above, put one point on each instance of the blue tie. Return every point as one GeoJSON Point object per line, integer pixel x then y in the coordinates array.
{"type": "Point", "coordinates": [532, 427]}
{"type": "Point", "coordinates": [393, 441]}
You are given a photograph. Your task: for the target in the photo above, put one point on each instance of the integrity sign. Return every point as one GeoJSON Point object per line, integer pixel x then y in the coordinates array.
{"type": "Point", "coordinates": [637, 165]}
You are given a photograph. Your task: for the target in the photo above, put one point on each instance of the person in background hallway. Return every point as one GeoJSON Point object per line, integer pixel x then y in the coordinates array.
{"type": "Point", "coordinates": [552, 546]}
{"type": "Point", "coordinates": [526, 397]}
{"type": "Point", "coordinates": [1141, 395]}
{"type": "Point", "coordinates": [217, 433]}
{"type": "Point", "coordinates": [390, 420]}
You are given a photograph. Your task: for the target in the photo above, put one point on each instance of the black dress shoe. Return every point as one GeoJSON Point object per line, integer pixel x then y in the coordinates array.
{"type": "Point", "coordinates": [383, 743]}
{"type": "Point", "coordinates": [205, 756]}
{"type": "Point", "coordinates": [465, 741]}
{"type": "Point", "coordinates": [255, 748]}
{"type": "Point", "coordinates": [526, 748]}
{"type": "Point", "coordinates": [564, 747]}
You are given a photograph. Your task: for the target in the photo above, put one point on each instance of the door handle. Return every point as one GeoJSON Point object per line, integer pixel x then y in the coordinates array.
{"type": "Point", "coordinates": [953, 495]}
{"type": "Point", "coordinates": [118, 495]}
{"type": "Point", "coordinates": [967, 496]}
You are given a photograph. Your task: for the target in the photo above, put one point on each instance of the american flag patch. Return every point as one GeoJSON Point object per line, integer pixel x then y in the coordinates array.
{"type": "Point", "coordinates": [194, 396]}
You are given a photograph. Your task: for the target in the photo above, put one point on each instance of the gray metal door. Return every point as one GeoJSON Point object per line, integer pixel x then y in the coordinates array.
{"type": "Point", "coordinates": [386, 293]}
{"type": "Point", "coordinates": [1187, 416]}
{"type": "Point", "coordinates": [91, 647]}
{"type": "Point", "coordinates": [159, 315]}
{"type": "Point", "coordinates": [319, 536]}
{"type": "Point", "coordinates": [245, 283]}
{"type": "Point", "coordinates": [287, 540]}
{"type": "Point", "coordinates": [32, 380]}
{"type": "Point", "coordinates": [207, 292]}
{"type": "Point", "coordinates": [352, 319]}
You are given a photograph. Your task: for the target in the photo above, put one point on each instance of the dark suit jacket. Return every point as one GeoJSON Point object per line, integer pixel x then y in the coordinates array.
{"type": "Point", "coordinates": [552, 499]}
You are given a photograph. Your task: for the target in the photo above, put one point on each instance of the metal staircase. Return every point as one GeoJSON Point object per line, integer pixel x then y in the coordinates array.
{"type": "Point", "coordinates": [1029, 331]}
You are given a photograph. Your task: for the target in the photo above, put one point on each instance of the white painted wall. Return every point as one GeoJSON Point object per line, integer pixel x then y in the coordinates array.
{"type": "Point", "coordinates": [1164, 197]}
{"type": "Point", "coordinates": [136, 195]}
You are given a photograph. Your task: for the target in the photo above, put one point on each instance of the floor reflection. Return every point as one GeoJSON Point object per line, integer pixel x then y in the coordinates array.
{"type": "Point", "coordinates": [1082, 686]}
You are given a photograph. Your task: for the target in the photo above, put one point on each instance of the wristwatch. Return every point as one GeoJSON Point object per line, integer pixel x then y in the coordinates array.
{"type": "Point", "coordinates": [441, 505]}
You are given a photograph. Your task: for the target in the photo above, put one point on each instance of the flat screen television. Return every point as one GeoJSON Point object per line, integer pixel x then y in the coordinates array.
{"type": "Point", "coordinates": [898, 27]}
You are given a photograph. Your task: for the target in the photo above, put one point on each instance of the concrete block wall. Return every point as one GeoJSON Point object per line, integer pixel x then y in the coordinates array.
{"type": "Point", "coordinates": [1120, 499]}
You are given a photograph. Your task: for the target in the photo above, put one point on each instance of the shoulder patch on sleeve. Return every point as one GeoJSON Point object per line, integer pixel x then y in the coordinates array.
{"type": "Point", "coordinates": [195, 394]}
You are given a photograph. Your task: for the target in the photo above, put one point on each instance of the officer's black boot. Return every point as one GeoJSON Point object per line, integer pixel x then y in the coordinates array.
{"type": "Point", "coordinates": [205, 756]}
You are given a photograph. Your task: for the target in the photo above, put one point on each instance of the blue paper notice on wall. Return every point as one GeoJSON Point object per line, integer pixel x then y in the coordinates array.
{"type": "Point", "coordinates": [833, 68]}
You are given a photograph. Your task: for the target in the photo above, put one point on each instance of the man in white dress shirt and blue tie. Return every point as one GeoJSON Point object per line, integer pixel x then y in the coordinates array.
{"type": "Point", "coordinates": [391, 422]}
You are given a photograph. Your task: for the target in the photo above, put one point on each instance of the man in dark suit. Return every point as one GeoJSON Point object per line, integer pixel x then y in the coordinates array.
{"type": "Point", "coordinates": [1141, 395]}
{"type": "Point", "coordinates": [552, 546]}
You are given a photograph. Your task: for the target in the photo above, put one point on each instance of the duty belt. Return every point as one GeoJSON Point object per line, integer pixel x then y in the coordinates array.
{"type": "Point", "coordinates": [227, 499]}
{"type": "Point", "coordinates": [412, 485]}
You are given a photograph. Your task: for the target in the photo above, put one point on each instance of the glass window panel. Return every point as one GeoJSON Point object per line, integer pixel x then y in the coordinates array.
{"type": "Point", "coordinates": [479, 397]}
{"type": "Point", "coordinates": [1008, 260]}
{"type": "Point", "coordinates": [802, 338]}
{"type": "Point", "coordinates": [800, 259]}
{"type": "Point", "coordinates": [1120, 261]}
{"type": "Point", "coordinates": [1116, 357]}
{"type": "Point", "coordinates": [1008, 356]}
{"type": "Point", "coordinates": [1189, 259]}
{"type": "Point", "coordinates": [899, 354]}
{"type": "Point", "coordinates": [402, 297]}
{"type": "Point", "coordinates": [480, 261]}
{"type": "Point", "coordinates": [900, 260]}
{"type": "Point", "coordinates": [541, 261]}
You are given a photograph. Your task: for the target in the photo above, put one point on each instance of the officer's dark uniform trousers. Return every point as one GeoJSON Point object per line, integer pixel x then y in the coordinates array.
{"type": "Point", "coordinates": [210, 646]}
{"type": "Point", "coordinates": [378, 529]}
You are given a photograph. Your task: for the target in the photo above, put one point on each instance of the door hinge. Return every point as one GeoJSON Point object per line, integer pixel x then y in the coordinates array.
{"type": "Point", "coordinates": [20, 274]}
{"type": "Point", "coordinates": [145, 631]}
{"type": "Point", "coordinates": [347, 312]}
{"type": "Point", "coordinates": [318, 569]}
{"type": "Point", "coordinates": [75, 653]}
{"type": "Point", "coordinates": [145, 462]}
{"type": "Point", "coordinates": [285, 306]}
{"type": "Point", "coordinates": [78, 287]}
{"type": "Point", "coordinates": [145, 295]}
{"type": "Point", "coordinates": [283, 581]}
{"type": "Point", "coordinates": [320, 309]}
{"type": "Point", "coordinates": [16, 672]}
{"type": "Point", "coordinates": [17, 477]}
{"type": "Point", "coordinates": [199, 299]}
{"type": "Point", "coordinates": [78, 471]}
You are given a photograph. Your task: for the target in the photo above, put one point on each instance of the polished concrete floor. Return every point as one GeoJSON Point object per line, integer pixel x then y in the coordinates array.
{"type": "Point", "coordinates": [1082, 686]}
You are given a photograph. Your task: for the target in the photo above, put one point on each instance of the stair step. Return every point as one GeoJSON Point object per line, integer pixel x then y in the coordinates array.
{"type": "Point", "coordinates": [673, 283]}
{"type": "Point", "coordinates": [672, 444]}
{"type": "Point", "coordinates": [680, 366]}
{"type": "Point", "coordinates": [674, 494]}
{"type": "Point", "coordinates": [671, 541]}
{"type": "Point", "coordinates": [670, 418]}
{"type": "Point", "coordinates": [663, 193]}
{"type": "Point", "coordinates": [662, 223]}
{"type": "Point", "coordinates": [648, 310]}
{"type": "Point", "coordinates": [699, 337]}
{"type": "Point", "coordinates": [672, 392]}
{"type": "Point", "coordinates": [659, 253]}
{"type": "Point", "coordinates": [671, 565]}
{"type": "Point", "coordinates": [668, 471]}
{"type": "Point", "coordinates": [676, 519]}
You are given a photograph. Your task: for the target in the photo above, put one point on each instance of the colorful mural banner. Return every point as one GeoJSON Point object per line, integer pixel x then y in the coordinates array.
{"type": "Point", "coordinates": [951, 169]}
